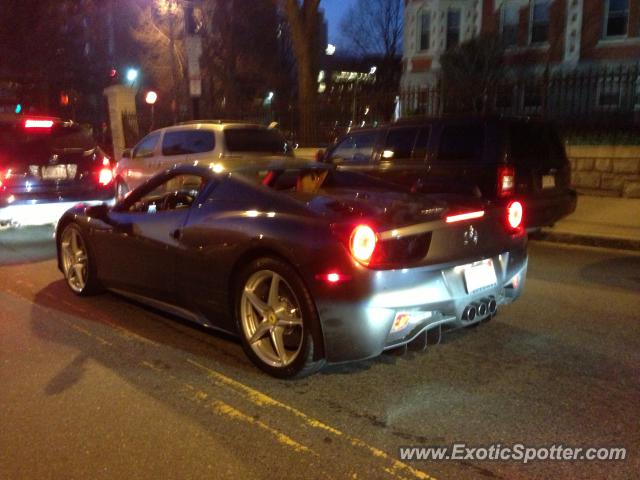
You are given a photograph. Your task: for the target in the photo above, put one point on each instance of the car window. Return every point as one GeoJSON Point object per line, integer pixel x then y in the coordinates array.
{"type": "Point", "coordinates": [261, 140]}
{"type": "Point", "coordinates": [177, 192]}
{"type": "Point", "coordinates": [462, 143]}
{"type": "Point", "coordinates": [146, 146]}
{"type": "Point", "coordinates": [422, 142]}
{"type": "Point", "coordinates": [22, 145]}
{"type": "Point", "coordinates": [356, 148]}
{"type": "Point", "coordinates": [185, 142]}
{"type": "Point", "coordinates": [536, 145]}
{"type": "Point", "coordinates": [399, 143]}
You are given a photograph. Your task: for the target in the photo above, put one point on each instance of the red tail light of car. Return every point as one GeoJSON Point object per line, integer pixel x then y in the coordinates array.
{"type": "Point", "coordinates": [38, 123]}
{"type": "Point", "coordinates": [506, 181]}
{"type": "Point", "coordinates": [515, 215]}
{"type": "Point", "coordinates": [104, 173]}
{"type": "Point", "coordinates": [461, 217]}
{"type": "Point", "coordinates": [105, 177]}
{"type": "Point", "coordinates": [362, 243]}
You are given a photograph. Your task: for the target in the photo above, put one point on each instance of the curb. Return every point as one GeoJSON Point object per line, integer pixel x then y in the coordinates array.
{"type": "Point", "coordinates": [586, 240]}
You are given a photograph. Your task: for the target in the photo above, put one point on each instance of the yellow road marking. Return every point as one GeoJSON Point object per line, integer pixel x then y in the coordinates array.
{"type": "Point", "coordinates": [261, 399]}
{"type": "Point", "coordinates": [227, 410]}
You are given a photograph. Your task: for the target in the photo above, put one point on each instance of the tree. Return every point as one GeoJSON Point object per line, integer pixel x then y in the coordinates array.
{"type": "Point", "coordinates": [304, 23]}
{"type": "Point", "coordinates": [159, 34]}
{"type": "Point", "coordinates": [471, 73]}
{"type": "Point", "coordinates": [374, 27]}
{"type": "Point", "coordinates": [239, 56]}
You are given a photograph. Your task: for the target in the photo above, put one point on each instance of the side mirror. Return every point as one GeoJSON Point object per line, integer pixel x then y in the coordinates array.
{"type": "Point", "coordinates": [126, 153]}
{"type": "Point", "coordinates": [98, 211]}
{"type": "Point", "coordinates": [320, 155]}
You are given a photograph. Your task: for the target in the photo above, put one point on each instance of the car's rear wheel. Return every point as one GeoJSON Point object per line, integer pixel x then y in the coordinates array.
{"type": "Point", "coordinates": [77, 262]}
{"type": "Point", "coordinates": [277, 319]}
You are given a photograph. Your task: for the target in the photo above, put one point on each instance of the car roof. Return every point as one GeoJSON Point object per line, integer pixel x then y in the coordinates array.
{"type": "Point", "coordinates": [214, 125]}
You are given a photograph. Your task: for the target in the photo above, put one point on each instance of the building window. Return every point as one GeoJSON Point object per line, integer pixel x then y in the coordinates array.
{"type": "Point", "coordinates": [617, 18]}
{"type": "Point", "coordinates": [510, 18]}
{"type": "Point", "coordinates": [453, 28]}
{"type": "Point", "coordinates": [539, 31]}
{"type": "Point", "coordinates": [425, 30]}
{"type": "Point", "coordinates": [610, 94]}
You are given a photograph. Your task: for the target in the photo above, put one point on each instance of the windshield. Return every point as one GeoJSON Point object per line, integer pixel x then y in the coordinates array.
{"type": "Point", "coordinates": [254, 140]}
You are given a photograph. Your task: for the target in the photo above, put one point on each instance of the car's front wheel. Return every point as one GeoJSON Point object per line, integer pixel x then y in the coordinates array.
{"type": "Point", "coordinates": [277, 319]}
{"type": "Point", "coordinates": [77, 261]}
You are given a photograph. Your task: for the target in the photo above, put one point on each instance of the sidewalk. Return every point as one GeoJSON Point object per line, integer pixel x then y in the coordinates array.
{"type": "Point", "coordinates": [599, 221]}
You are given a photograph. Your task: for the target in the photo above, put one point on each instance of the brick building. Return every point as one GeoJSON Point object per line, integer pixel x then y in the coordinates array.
{"type": "Point", "coordinates": [561, 35]}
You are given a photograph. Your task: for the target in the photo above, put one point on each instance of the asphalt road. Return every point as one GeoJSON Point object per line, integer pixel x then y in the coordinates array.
{"type": "Point", "coordinates": [104, 388]}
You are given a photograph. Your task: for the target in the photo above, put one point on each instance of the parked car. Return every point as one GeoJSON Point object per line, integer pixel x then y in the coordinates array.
{"type": "Point", "coordinates": [496, 158]}
{"type": "Point", "coordinates": [221, 144]}
{"type": "Point", "coordinates": [307, 265]}
{"type": "Point", "coordinates": [47, 165]}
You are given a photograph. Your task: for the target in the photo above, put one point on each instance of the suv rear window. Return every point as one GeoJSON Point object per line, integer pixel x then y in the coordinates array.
{"type": "Point", "coordinates": [25, 145]}
{"type": "Point", "coordinates": [254, 140]}
{"type": "Point", "coordinates": [534, 144]}
{"type": "Point", "coordinates": [462, 142]}
{"type": "Point", "coordinates": [184, 142]}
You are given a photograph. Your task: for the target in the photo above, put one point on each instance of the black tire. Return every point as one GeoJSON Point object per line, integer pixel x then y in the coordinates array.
{"type": "Point", "coordinates": [304, 363]}
{"type": "Point", "coordinates": [91, 285]}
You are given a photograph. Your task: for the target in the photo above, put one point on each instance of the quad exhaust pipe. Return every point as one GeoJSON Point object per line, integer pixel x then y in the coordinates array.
{"type": "Point", "coordinates": [482, 308]}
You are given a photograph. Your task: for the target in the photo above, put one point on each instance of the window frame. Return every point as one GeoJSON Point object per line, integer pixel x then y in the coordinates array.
{"type": "Point", "coordinates": [503, 10]}
{"type": "Point", "coordinates": [153, 151]}
{"type": "Point", "coordinates": [532, 7]}
{"type": "Point", "coordinates": [421, 14]}
{"type": "Point", "coordinates": [457, 10]}
{"type": "Point", "coordinates": [607, 16]}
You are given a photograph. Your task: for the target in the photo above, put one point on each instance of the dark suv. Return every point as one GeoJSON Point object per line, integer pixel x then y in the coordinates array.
{"type": "Point", "coordinates": [46, 167]}
{"type": "Point", "coordinates": [497, 158]}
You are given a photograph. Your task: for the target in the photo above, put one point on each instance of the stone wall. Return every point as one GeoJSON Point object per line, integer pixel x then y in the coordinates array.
{"type": "Point", "coordinates": [606, 170]}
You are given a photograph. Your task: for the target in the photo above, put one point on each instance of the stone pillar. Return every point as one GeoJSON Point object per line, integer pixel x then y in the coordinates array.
{"type": "Point", "coordinates": [120, 99]}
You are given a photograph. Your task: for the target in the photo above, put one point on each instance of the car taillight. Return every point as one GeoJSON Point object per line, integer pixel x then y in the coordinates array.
{"type": "Point", "coordinates": [515, 214]}
{"type": "Point", "coordinates": [362, 243]}
{"type": "Point", "coordinates": [506, 181]}
{"type": "Point", "coordinates": [38, 123]}
{"type": "Point", "coordinates": [105, 177]}
{"type": "Point", "coordinates": [461, 217]}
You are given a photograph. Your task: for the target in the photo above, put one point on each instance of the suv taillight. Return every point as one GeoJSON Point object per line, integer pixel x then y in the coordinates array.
{"type": "Point", "coordinates": [515, 215]}
{"type": "Point", "coordinates": [105, 172]}
{"type": "Point", "coordinates": [506, 181]}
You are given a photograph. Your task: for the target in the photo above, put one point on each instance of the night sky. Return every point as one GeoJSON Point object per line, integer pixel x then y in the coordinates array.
{"type": "Point", "coordinates": [334, 11]}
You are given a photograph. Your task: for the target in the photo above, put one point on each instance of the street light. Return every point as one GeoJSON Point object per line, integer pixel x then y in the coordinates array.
{"type": "Point", "coordinates": [151, 99]}
{"type": "Point", "coordinates": [132, 75]}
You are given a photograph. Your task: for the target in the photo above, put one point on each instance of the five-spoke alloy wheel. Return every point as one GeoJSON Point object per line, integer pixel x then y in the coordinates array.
{"type": "Point", "coordinates": [275, 315]}
{"type": "Point", "coordinates": [75, 259]}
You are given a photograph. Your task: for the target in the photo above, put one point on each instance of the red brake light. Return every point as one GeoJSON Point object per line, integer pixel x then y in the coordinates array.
{"type": "Point", "coordinates": [362, 243]}
{"type": "Point", "coordinates": [105, 176]}
{"type": "Point", "coordinates": [332, 277]}
{"type": "Point", "coordinates": [38, 123]}
{"type": "Point", "coordinates": [506, 180]}
{"type": "Point", "coordinates": [515, 213]}
{"type": "Point", "coordinates": [465, 216]}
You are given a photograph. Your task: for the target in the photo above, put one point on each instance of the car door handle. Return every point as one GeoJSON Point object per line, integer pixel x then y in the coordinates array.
{"type": "Point", "coordinates": [177, 234]}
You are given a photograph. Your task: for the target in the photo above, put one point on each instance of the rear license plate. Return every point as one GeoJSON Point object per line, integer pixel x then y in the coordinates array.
{"type": "Point", "coordinates": [480, 275]}
{"type": "Point", "coordinates": [548, 181]}
{"type": "Point", "coordinates": [58, 172]}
